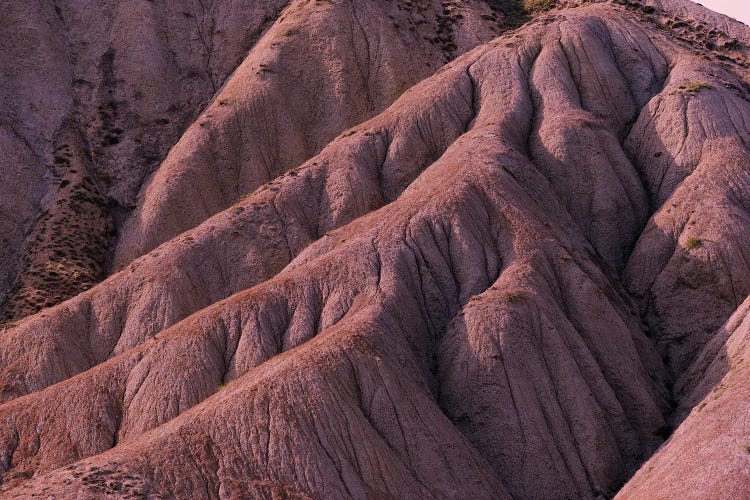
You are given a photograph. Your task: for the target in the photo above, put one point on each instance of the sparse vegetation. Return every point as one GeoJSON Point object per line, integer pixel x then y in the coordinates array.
{"type": "Point", "coordinates": [746, 448]}
{"type": "Point", "coordinates": [732, 44]}
{"type": "Point", "coordinates": [513, 297]}
{"type": "Point", "coordinates": [692, 243]}
{"type": "Point", "coordinates": [512, 14]}
{"type": "Point", "coordinates": [695, 87]}
{"type": "Point", "coordinates": [538, 5]}
{"type": "Point", "coordinates": [718, 391]}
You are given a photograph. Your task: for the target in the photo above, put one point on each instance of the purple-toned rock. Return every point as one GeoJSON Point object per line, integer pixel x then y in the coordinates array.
{"type": "Point", "coordinates": [362, 249]}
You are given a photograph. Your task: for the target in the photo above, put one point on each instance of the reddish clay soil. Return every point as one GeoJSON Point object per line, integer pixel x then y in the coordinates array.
{"type": "Point", "coordinates": [370, 249]}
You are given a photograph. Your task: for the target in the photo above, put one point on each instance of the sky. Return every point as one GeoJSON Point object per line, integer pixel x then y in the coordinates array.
{"type": "Point", "coordinates": [738, 9]}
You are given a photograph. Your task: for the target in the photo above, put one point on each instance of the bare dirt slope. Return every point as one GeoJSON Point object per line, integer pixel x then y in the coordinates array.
{"type": "Point", "coordinates": [515, 281]}
{"type": "Point", "coordinates": [98, 94]}
{"type": "Point", "coordinates": [714, 438]}
{"type": "Point", "coordinates": [95, 94]}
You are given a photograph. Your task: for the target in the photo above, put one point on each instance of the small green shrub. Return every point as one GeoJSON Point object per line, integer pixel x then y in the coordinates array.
{"type": "Point", "coordinates": [693, 243]}
{"type": "Point", "coordinates": [695, 87]}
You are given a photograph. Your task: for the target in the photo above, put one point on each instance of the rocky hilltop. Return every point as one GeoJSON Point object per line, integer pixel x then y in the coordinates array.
{"type": "Point", "coordinates": [374, 249]}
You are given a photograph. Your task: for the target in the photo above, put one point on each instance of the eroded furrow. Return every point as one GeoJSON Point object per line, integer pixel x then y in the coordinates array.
{"type": "Point", "coordinates": [457, 317]}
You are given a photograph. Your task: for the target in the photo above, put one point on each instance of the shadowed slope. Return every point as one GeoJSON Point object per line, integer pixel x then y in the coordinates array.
{"type": "Point", "coordinates": [714, 438]}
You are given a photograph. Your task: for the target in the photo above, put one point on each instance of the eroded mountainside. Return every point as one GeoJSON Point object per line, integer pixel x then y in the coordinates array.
{"type": "Point", "coordinates": [354, 248]}
{"type": "Point", "coordinates": [98, 92]}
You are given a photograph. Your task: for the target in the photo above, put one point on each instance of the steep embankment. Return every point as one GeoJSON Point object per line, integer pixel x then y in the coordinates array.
{"type": "Point", "coordinates": [95, 94]}
{"type": "Point", "coordinates": [708, 454]}
{"type": "Point", "coordinates": [510, 283]}
{"type": "Point", "coordinates": [95, 106]}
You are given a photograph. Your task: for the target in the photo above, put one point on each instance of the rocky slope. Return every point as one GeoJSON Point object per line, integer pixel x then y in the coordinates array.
{"type": "Point", "coordinates": [513, 281]}
{"type": "Point", "coordinates": [98, 93]}
{"type": "Point", "coordinates": [714, 438]}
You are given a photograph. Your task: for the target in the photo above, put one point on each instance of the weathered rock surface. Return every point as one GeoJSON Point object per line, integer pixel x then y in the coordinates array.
{"type": "Point", "coordinates": [509, 283]}
{"type": "Point", "coordinates": [279, 108]}
{"type": "Point", "coordinates": [709, 453]}
{"type": "Point", "coordinates": [96, 92]}
{"type": "Point", "coordinates": [104, 101]}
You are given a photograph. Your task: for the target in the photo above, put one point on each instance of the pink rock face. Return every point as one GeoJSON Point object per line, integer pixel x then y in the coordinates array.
{"type": "Point", "coordinates": [363, 249]}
